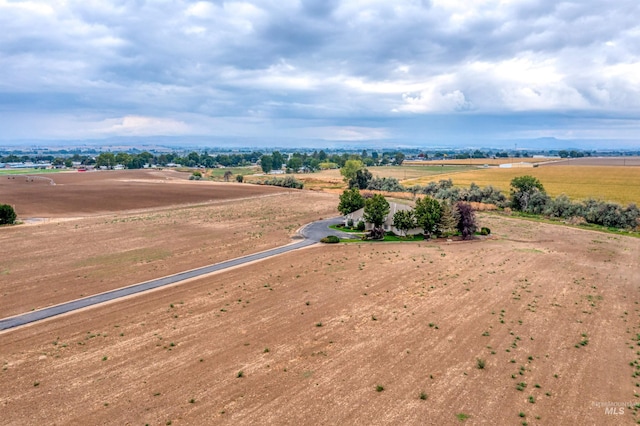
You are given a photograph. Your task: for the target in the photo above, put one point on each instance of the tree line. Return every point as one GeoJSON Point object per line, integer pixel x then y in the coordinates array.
{"type": "Point", "coordinates": [527, 196]}
{"type": "Point", "coordinates": [434, 217]}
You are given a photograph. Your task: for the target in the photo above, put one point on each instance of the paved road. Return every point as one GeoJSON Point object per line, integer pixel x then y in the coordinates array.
{"type": "Point", "coordinates": [311, 234]}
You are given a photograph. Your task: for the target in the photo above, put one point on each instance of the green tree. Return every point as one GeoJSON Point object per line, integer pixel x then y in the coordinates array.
{"type": "Point", "coordinates": [350, 168]}
{"type": "Point", "coordinates": [7, 215]}
{"type": "Point", "coordinates": [123, 158]}
{"type": "Point", "coordinates": [350, 201]}
{"type": "Point", "coordinates": [294, 163]}
{"type": "Point", "coordinates": [266, 162]}
{"type": "Point", "coordinates": [277, 160]}
{"type": "Point", "coordinates": [448, 219]}
{"type": "Point", "coordinates": [399, 157]}
{"type": "Point", "coordinates": [106, 159]}
{"type": "Point", "coordinates": [404, 220]}
{"type": "Point", "coordinates": [428, 214]}
{"type": "Point", "coordinates": [361, 179]}
{"type": "Point", "coordinates": [376, 210]}
{"type": "Point", "coordinates": [522, 189]}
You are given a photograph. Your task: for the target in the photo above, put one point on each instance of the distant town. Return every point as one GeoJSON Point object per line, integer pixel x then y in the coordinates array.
{"type": "Point", "coordinates": [304, 160]}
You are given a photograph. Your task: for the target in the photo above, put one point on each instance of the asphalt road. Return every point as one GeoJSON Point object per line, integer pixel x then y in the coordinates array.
{"type": "Point", "coordinates": [311, 234]}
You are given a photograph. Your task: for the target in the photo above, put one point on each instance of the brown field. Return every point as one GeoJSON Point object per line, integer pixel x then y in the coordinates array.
{"type": "Point", "coordinates": [314, 331]}
{"type": "Point", "coordinates": [81, 194]}
{"type": "Point", "coordinates": [478, 161]}
{"type": "Point", "coordinates": [597, 161]}
{"type": "Point", "coordinates": [609, 183]}
{"type": "Point", "coordinates": [48, 263]}
{"type": "Point", "coordinates": [413, 318]}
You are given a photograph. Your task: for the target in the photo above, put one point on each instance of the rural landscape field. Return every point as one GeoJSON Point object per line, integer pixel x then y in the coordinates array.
{"type": "Point", "coordinates": [536, 324]}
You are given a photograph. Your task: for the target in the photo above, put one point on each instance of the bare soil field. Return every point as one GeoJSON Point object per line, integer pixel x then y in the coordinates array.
{"type": "Point", "coordinates": [90, 193]}
{"type": "Point", "coordinates": [345, 334]}
{"type": "Point", "coordinates": [596, 161]}
{"type": "Point", "coordinates": [51, 262]}
{"type": "Point", "coordinates": [478, 161]}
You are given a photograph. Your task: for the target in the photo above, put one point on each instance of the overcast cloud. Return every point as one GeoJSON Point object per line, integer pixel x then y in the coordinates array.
{"type": "Point", "coordinates": [414, 72]}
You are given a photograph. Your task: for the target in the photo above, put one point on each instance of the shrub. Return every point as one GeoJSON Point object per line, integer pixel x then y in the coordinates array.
{"type": "Point", "coordinates": [330, 239]}
{"type": "Point", "coordinates": [239, 178]}
{"type": "Point", "coordinates": [288, 182]}
{"type": "Point", "coordinates": [388, 184]}
{"type": "Point", "coordinates": [7, 214]}
{"type": "Point", "coordinates": [563, 207]}
{"type": "Point", "coordinates": [485, 231]}
{"type": "Point", "coordinates": [360, 226]}
{"type": "Point", "coordinates": [350, 223]}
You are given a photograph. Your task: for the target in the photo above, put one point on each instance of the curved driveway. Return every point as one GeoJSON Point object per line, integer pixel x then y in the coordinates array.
{"type": "Point", "coordinates": [311, 233]}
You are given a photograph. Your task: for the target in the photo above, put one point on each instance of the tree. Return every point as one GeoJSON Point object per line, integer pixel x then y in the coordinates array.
{"type": "Point", "coordinates": [428, 214]}
{"type": "Point", "coordinates": [448, 223]}
{"type": "Point", "coordinates": [467, 224]}
{"type": "Point", "coordinates": [404, 220]}
{"type": "Point", "coordinates": [227, 175]}
{"type": "Point", "coordinates": [106, 159]}
{"type": "Point", "coordinates": [376, 210]}
{"type": "Point", "coordinates": [7, 214]}
{"type": "Point", "coordinates": [294, 163]}
{"type": "Point", "coordinates": [522, 189]}
{"type": "Point", "coordinates": [277, 160]}
{"type": "Point", "coordinates": [266, 162]}
{"type": "Point", "coordinates": [350, 168]}
{"type": "Point", "coordinates": [399, 157]}
{"type": "Point", "coordinates": [350, 201]}
{"type": "Point", "coordinates": [361, 179]}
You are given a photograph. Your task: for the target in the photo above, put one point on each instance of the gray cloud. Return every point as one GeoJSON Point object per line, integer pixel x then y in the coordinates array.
{"type": "Point", "coordinates": [323, 63]}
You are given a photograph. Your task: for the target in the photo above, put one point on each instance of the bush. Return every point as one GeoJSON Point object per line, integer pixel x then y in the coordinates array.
{"type": "Point", "coordinates": [7, 215]}
{"type": "Point", "coordinates": [288, 182]}
{"type": "Point", "coordinates": [388, 184]}
{"type": "Point", "coordinates": [239, 178]}
{"type": "Point", "coordinates": [360, 226]}
{"type": "Point", "coordinates": [350, 223]}
{"type": "Point", "coordinates": [330, 239]}
{"type": "Point", "coordinates": [485, 231]}
{"type": "Point", "coordinates": [563, 207]}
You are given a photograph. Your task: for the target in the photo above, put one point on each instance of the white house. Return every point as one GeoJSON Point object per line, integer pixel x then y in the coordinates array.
{"type": "Point", "coordinates": [358, 216]}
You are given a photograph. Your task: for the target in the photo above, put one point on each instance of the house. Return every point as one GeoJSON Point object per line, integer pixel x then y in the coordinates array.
{"type": "Point", "coordinates": [358, 216]}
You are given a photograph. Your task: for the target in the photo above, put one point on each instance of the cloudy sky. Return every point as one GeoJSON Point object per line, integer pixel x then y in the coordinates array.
{"type": "Point", "coordinates": [323, 72]}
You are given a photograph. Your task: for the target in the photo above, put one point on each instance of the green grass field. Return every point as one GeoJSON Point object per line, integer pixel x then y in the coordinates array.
{"type": "Point", "coordinates": [28, 171]}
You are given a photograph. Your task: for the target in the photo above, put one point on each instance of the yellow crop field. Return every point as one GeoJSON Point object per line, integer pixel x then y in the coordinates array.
{"type": "Point", "coordinates": [609, 183]}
